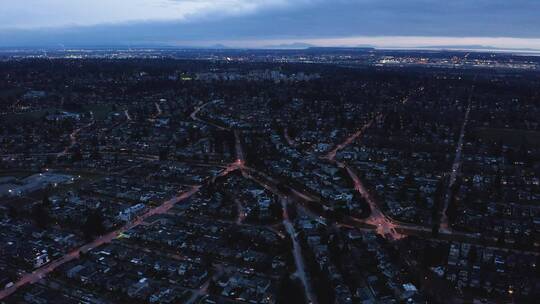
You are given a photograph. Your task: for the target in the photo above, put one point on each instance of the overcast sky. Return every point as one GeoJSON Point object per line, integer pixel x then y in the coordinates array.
{"type": "Point", "coordinates": [260, 23]}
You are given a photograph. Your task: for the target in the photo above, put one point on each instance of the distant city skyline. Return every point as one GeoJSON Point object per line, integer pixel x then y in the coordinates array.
{"type": "Point", "coordinates": [272, 23]}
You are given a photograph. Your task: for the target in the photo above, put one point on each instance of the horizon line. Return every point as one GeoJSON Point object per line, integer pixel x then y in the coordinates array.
{"type": "Point", "coordinates": [138, 47]}
{"type": "Point", "coordinates": [470, 43]}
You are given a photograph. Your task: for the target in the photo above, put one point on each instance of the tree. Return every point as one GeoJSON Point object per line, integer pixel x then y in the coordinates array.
{"type": "Point", "coordinates": [93, 225]}
{"type": "Point", "coordinates": [473, 255]}
{"type": "Point", "coordinates": [12, 212]}
{"type": "Point", "coordinates": [292, 211]}
{"type": "Point", "coordinates": [435, 229]}
{"type": "Point", "coordinates": [40, 215]}
{"type": "Point", "coordinates": [163, 154]}
{"type": "Point", "coordinates": [46, 201]}
{"type": "Point", "coordinates": [290, 291]}
{"type": "Point", "coordinates": [77, 156]}
{"type": "Point", "coordinates": [275, 210]}
{"type": "Point", "coordinates": [95, 155]}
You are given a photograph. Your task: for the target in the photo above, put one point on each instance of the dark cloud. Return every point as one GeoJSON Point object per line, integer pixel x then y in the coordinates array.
{"type": "Point", "coordinates": [313, 19]}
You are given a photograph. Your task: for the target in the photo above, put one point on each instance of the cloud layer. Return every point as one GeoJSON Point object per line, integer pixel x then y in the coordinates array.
{"type": "Point", "coordinates": [30, 14]}
{"type": "Point", "coordinates": [251, 22]}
